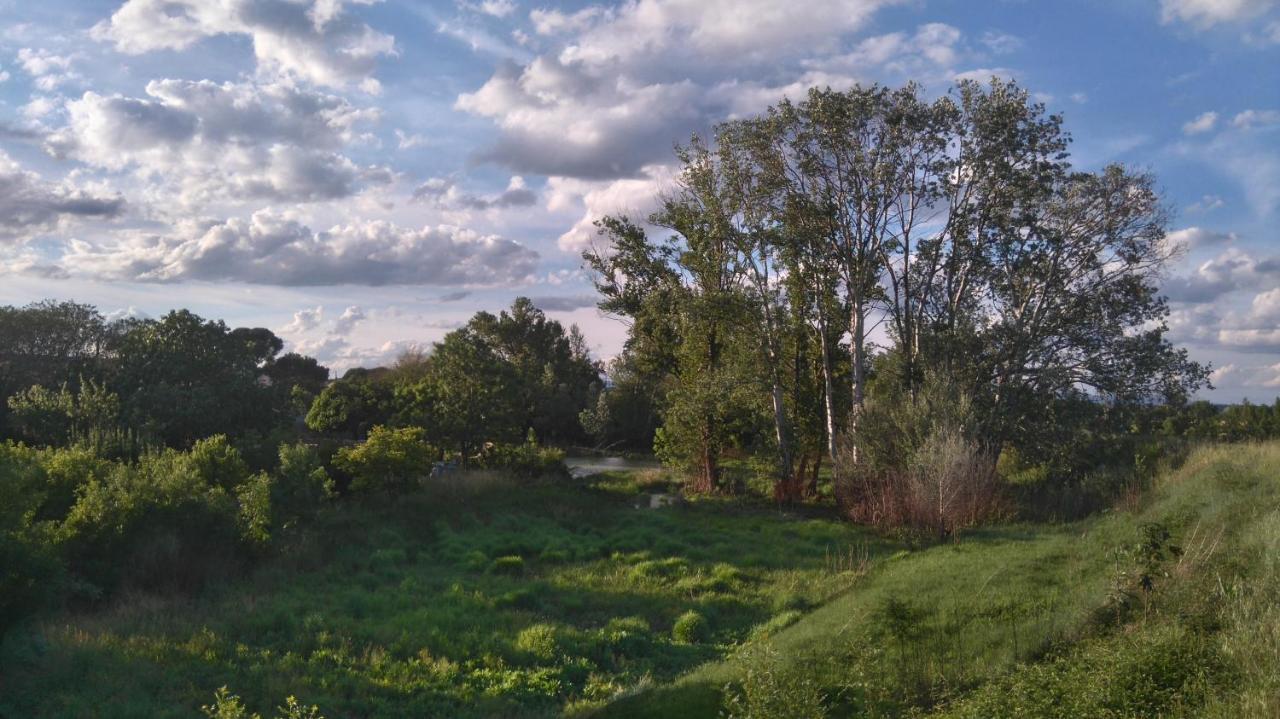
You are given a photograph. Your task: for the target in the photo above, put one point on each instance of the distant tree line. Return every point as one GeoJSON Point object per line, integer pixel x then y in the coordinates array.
{"type": "Point", "coordinates": [161, 454]}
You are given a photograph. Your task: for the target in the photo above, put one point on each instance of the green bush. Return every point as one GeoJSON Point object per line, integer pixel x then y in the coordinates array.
{"type": "Point", "coordinates": [539, 641]}
{"type": "Point", "coordinates": [218, 463]}
{"type": "Point", "coordinates": [524, 461]}
{"type": "Point", "coordinates": [158, 522]}
{"type": "Point", "coordinates": [690, 628]}
{"type": "Point", "coordinates": [390, 460]}
{"type": "Point", "coordinates": [302, 485]}
{"type": "Point", "coordinates": [772, 690]}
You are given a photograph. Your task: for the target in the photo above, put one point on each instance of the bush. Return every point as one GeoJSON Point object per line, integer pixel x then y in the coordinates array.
{"type": "Point", "coordinates": [302, 485]}
{"type": "Point", "coordinates": [158, 523]}
{"type": "Point", "coordinates": [690, 628]}
{"type": "Point", "coordinates": [390, 460]}
{"type": "Point", "coordinates": [770, 690]}
{"type": "Point", "coordinates": [538, 641]}
{"type": "Point", "coordinates": [218, 463]}
{"type": "Point", "coordinates": [914, 462]}
{"type": "Point", "coordinates": [524, 461]}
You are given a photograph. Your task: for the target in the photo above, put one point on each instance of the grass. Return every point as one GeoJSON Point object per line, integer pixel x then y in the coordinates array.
{"type": "Point", "coordinates": [478, 601]}
{"type": "Point", "coordinates": [1040, 620]}
{"type": "Point", "coordinates": [497, 601]}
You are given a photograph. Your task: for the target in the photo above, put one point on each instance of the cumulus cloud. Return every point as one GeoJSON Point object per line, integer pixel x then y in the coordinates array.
{"type": "Point", "coordinates": [48, 70]}
{"type": "Point", "coordinates": [585, 108]}
{"type": "Point", "coordinates": [636, 198]}
{"type": "Point", "coordinates": [445, 193]}
{"type": "Point", "coordinates": [1203, 123]}
{"type": "Point", "coordinates": [30, 205]}
{"type": "Point", "coordinates": [1233, 269]}
{"type": "Point", "coordinates": [350, 317]}
{"type": "Point", "coordinates": [313, 40]}
{"type": "Point", "coordinates": [304, 320]}
{"type": "Point", "coordinates": [209, 140]}
{"type": "Point", "coordinates": [272, 249]}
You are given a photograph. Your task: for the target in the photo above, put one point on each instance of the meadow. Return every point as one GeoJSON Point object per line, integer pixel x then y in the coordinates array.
{"type": "Point", "coordinates": [478, 598]}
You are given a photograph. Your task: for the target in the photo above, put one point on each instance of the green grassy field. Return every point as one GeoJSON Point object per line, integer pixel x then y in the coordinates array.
{"type": "Point", "coordinates": [504, 601]}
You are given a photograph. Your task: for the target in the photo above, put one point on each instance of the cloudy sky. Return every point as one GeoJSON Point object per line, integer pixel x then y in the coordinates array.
{"type": "Point", "coordinates": [361, 175]}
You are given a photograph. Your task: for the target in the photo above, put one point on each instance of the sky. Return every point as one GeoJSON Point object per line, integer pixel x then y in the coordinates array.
{"type": "Point", "coordinates": [361, 176]}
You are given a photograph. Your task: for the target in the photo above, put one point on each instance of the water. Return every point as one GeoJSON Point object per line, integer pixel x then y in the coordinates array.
{"type": "Point", "coordinates": [583, 466]}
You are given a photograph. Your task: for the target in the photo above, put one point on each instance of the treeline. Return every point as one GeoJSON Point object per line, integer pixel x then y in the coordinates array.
{"type": "Point", "coordinates": [498, 379]}
{"type": "Point", "coordinates": [162, 454]}
{"type": "Point", "coordinates": [923, 293]}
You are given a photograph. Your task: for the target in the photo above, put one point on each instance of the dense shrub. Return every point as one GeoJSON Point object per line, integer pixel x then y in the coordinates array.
{"type": "Point", "coordinates": [301, 484]}
{"type": "Point", "coordinates": [915, 462]}
{"type": "Point", "coordinates": [390, 460]}
{"type": "Point", "coordinates": [690, 628]}
{"type": "Point", "coordinates": [770, 689]}
{"type": "Point", "coordinates": [218, 463]}
{"type": "Point", "coordinates": [524, 461]}
{"type": "Point", "coordinates": [160, 522]}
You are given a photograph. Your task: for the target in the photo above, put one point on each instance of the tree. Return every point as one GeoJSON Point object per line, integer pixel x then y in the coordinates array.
{"type": "Point", "coordinates": [352, 405]}
{"type": "Point", "coordinates": [466, 397]}
{"type": "Point", "coordinates": [181, 378]}
{"type": "Point", "coordinates": [294, 370]}
{"type": "Point", "coordinates": [555, 377]}
{"type": "Point", "coordinates": [49, 343]}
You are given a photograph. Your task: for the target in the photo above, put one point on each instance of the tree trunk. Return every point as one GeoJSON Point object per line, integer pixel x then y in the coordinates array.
{"type": "Point", "coordinates": [828, 388]}
{"type": "Point", "coordinates": [858, 355]}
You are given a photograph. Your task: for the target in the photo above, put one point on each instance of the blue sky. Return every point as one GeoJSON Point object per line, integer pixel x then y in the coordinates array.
{"type": "Point", "coordinates": [361, 176]}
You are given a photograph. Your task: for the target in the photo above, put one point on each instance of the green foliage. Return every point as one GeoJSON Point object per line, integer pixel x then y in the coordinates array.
{"type": "Point", "coordinates": [184, 378]}
{"type": "Point", "coordinates": [690, 628]}
{"type": "Point", "coordinates": [510, 564]}
{"type": "Point", "coordinates": [466, 398]}
{"type": "Point", "coordinates": [352, 405]}
{"type": "Point", "coordinates": [771, 690]}
{"type": "Point", "coordinates": [158, 523]}
{"type": "Point", "coordinates": [228, 706]}
{"type": "Point", "coordinates": [301, 484]}
{"type": "Point", "coordinates": [389, 460]}
{"type": "Point", "coordinates": [217, 463]}
{"type": "Point", "coordinates": [524, 461]}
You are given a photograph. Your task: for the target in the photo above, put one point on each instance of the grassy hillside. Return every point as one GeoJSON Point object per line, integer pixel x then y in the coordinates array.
{"type": "Point", "coordinates": [504, 601]}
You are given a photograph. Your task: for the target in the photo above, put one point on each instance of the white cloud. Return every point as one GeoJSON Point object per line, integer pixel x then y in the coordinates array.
{"type": "Point", "coordinates": [304, 320]}
{"type": "Point", "coordinates": [636, 198]}
{"type": "Point", "coordinates": [1250, 119]}
{"type": "Point", "coordinates": [30, 205]}
{"type": "Point", "coordinates": [203, 140]}
{"type": "Point", "coordinates": [1206, 13]}
{"type": "Point", "coordinates": [1001, 43]}
{"type": "Point", "coordinates": [47, 69]}
{"type": "Point", "coordinates": [1203, 123]}
{"type": "Point", "coordinates": [1234, 269]}
{"type": "Point", "coordinates": [1221, 373]}
{"type": "Point", "coordinates": [444, 193]}
{"type": "Point", "coordinates": [1196, 238]}
{"type": "Point", "coordinates": [1206, 203]}
{"type": "Point", "coordinates": [350, 317]}
{"type": "Point", "coordinates": [314, 40]}
{"type": "Point", "coordinates": [273, 249]}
